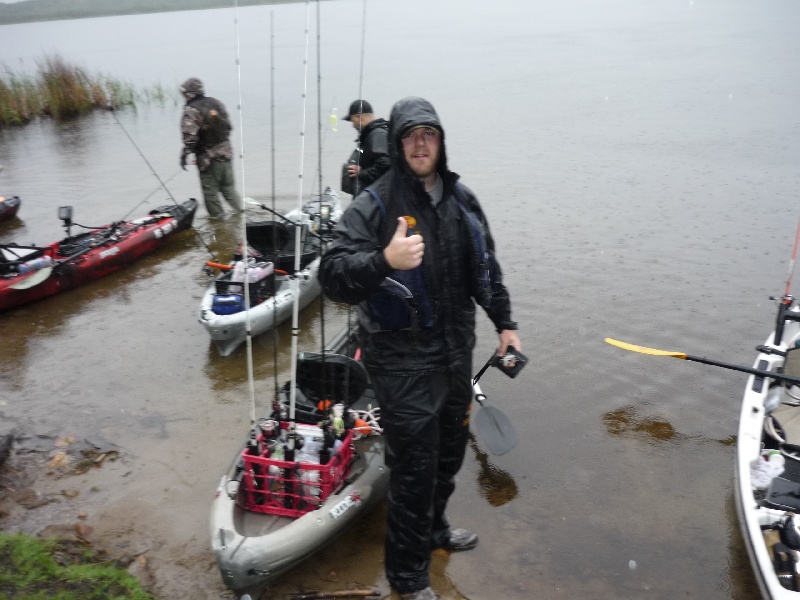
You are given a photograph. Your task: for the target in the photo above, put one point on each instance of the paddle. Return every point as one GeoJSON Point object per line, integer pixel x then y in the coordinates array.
{"type": "Point", "coordinates": [493, 426]}
{"type": "Point", "coordinates": [35, 279]}
{"type": "Point", "coordinates": [44, 274]}
{"type": "Point", "coordinates": [706, 361]}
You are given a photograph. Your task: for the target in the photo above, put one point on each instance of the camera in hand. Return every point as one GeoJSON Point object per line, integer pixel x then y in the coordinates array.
{"type": "Point", "coordinates": [512, 362]}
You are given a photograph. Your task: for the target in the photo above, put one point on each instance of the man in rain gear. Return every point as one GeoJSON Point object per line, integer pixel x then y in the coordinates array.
{"type": "Point", "coordinates": [370, 160]}
{"type": "Point", "coordinates": [415, 253]}
{"type": "Point", "coordinates": [206, 128]}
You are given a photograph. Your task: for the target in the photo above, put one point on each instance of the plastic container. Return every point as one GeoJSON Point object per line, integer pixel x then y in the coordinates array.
{"type": "Point", "coordinates": [35, 264]}
{"type": "Point", "coordinates": [238, 272]}
{"type": "Point", "coordinates": [227, 304]}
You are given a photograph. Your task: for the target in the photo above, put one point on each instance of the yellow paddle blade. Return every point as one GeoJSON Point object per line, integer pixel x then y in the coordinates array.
{"type": "Point", "coordinates": [645, 349]}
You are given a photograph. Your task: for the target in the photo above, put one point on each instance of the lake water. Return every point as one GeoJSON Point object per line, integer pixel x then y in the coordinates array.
{"type": "Point", "coordinates": [638, 161]}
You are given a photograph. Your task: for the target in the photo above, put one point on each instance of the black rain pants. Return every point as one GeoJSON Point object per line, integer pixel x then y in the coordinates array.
{"type": "Point", "coordinates": [425, 419]}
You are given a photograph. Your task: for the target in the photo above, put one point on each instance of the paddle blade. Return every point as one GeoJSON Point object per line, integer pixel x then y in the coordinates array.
{"type": "Point", "coordinates": [644, 349]}
{"type": "Point", "coordinates": [35, 279]}
{"type": "Point", "coordinates": [495, 430]}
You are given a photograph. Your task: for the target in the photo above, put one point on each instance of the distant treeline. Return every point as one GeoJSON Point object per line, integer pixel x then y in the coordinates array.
{"type": "Point", "coordinates": [54, 10]}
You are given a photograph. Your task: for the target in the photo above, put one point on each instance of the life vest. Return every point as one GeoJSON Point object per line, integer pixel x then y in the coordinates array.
{"type": "Point", "coordinates": [403, 300]}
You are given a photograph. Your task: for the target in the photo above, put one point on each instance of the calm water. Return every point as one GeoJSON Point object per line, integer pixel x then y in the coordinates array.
{"type": "Point", "coordinates": [638, 162]}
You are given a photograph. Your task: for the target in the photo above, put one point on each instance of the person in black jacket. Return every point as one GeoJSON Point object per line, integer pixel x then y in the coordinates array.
{"type": "Point", "coordinates": [415, 253]}
{"type": "Point", "coordinates": [205, 129]}
{"type": "Point", "coordinates": [371, 157]}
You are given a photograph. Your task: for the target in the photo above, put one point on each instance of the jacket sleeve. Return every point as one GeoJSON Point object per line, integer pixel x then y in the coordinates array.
{"type": "Point", "coordinates": [378, 148]}
{"type": "Point", "coordinates": [353, 266]}
{"type": "Point", "coordinates": [191, 121]}
{"type": "Point", "coordinates": [499, 307]}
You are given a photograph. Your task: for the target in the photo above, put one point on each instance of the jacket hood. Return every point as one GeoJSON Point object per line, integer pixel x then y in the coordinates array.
{"type": "Point", "coordinates": [367, 129]}
{"type": "Point", "coordinates": [192, 88]}
{"type": "Point", "coordinates": [413, 112]}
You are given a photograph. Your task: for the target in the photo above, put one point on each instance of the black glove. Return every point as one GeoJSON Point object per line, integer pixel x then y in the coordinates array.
{"type": "Point", "coordinates": [184, 154]}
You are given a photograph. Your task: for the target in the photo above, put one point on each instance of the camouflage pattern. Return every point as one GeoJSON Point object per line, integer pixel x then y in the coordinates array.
{"type": "Point", "coordinates": [192, 87]}
{"type": "Point", "coordinates": [198, 126]}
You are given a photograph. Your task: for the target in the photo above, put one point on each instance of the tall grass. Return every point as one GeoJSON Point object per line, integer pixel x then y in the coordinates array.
{"type": "Point", "coordinates": [63, 91]}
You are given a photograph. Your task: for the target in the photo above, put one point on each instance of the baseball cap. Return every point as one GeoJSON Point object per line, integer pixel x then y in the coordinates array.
{"type": "Point", "coordinates": [358, 107]}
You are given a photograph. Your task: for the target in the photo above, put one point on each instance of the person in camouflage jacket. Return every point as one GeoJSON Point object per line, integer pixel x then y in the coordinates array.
{"type": "Point", "coordinates": [206, 128]}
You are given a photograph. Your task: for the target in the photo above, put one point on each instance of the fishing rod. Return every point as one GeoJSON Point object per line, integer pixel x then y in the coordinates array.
{"type": "Point", "coordinates": [785, 302]}
{"type": "Point", "coordinates": [243, 223]}
{"type": "Point", "coordinates": [319, 170]}
{"type": "Point", "coordinates": [296, 281]}
{"type": "Point", "coordinates": [283, 218]}
{"type": "Point", "coordinates": [152, 170]}
{"type": "Point", "coordinates": [360, 96]}
{"type": "Point", "coordinates": [275, 383]}
{"type": "Point", "coordinates": [146, 198]}
{"type": "Point", "coordinates": [363, 42]}
{"type": "Point", "coordinates": [160, 181]}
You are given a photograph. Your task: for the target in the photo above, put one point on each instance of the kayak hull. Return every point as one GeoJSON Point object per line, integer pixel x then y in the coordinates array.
{"type": "Point", "coordinates": [107, 251]}
{"type": "Point", "coordinates": [228, 332]}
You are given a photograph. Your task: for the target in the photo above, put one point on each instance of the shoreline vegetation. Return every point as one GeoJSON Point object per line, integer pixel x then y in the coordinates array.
{"type": "Point", "coordinates": [29, 11]}
{"type": "Point", "coordinates": [63, 91]}
{"type": "Point", "coordinates": [35, 568]}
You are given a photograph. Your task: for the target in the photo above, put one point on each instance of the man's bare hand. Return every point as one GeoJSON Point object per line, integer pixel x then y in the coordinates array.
{"type": "Point", "coordinates": [403, 252]}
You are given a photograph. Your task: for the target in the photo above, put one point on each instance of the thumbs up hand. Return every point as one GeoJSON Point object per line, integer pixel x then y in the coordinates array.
{"type": "Point", "coordinates": [404, 252]}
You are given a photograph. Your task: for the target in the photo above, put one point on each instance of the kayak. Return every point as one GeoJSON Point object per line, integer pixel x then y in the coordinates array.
{"type": "Point", "coordinates": [30, 273]}
{"type": "Point", "coordinates": [767, 490]}
{"type": "Point", "coordinates": [272, 280]}
{"type": "Point", "coordinates": [9, 205]}
{"type": "Point", "coordinates": [271, 511]}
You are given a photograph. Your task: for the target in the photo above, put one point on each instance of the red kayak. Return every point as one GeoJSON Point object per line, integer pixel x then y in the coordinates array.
{"type": "Point", "coordinates": [9, 205]}
{"type": "Point", "coordinates": [29, 273]}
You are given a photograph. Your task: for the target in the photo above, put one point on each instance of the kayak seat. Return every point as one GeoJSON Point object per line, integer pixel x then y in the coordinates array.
{"type": "Point", "coordinates": [276, 240]}
{"type": "Point", "coordinates": [336, 378]}
{"type": "Point", "coordinates": [12, 255]}
{"type": "Point", "coordinates": [269, 237]}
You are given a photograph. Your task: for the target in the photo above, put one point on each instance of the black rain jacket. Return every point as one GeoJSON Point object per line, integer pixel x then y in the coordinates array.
{"type": "Point", "coordinates": [354, 268]}
{"type": "Point", "coordinates": [374, 144]}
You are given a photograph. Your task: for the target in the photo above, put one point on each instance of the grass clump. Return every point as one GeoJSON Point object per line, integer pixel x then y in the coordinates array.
{"type": "Point", "coordinates": [33, 569]}
{"type": "Point", "coordinates": [63, 91]}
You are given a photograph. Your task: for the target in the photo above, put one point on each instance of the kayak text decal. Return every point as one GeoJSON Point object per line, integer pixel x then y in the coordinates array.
{"type": "Point", "coordinates": [346, 504]}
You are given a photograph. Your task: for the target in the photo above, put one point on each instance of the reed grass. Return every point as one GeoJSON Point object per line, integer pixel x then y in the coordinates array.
{"type": "Point", "coordinates": [63, 91]}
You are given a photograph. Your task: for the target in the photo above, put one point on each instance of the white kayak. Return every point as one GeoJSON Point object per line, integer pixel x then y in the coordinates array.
{"type": "Point", "coordinates": [271, 244]}
{"type": "Point", "coordinates": [228, 331]}
{"type": "Point", "coordinates": [768, 461]}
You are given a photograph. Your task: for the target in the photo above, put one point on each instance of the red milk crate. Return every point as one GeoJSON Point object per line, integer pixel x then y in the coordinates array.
{"type": "Point", "coordinates": [292, 488]}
